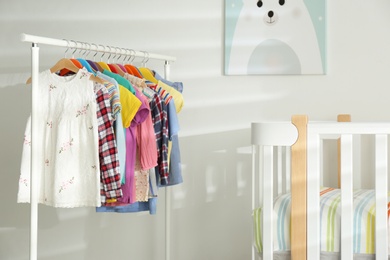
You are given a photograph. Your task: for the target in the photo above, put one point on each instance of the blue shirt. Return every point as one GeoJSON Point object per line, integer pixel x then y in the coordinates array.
{"type": "Point", "coordinates": [175, 175]}
{"type": "Point", "coordinates": [176, 85]}
{"type": "Point", "coordinates": [150, 206]}
{"type": "Point", "coordinates": [86, 65]}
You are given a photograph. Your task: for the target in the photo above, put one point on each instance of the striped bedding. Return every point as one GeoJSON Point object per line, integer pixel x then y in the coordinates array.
{"type": "Point", "coordinates": [364, 222]}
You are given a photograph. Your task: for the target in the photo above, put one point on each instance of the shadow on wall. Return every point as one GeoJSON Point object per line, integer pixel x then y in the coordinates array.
{"type": "Point", "coordinates": [216, 164]}
{"type": "Point", "coordinates": [14, 111]}
{"type": "Point", "coordinates": [215, 197]}
{"type": "Point", "coordinates": [15, 107]}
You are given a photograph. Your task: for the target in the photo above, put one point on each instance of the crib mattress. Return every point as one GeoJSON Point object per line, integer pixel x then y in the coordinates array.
{"type": "Point", "coordinates": [363, 227]}
{"type": "Point", "coordinates": [285, 255]}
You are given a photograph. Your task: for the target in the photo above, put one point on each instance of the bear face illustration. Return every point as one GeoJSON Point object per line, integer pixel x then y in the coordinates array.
{"type": "Point", "coordinates": [274, 37]}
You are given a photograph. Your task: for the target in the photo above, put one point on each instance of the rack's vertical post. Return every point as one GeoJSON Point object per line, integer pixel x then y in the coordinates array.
{"type": "Point", "coordinates": [167, 223]}
{"type": "Point", "coordinates": [34, 138]}
{"type": "Point", "coordinates": [167, 197]}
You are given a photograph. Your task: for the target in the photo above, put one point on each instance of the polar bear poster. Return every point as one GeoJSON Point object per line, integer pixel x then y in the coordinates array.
{"type": "Point", "coordinates": [284, 37]}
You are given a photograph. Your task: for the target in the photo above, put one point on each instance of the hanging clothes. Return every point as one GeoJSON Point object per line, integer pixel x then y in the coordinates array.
{"type": "Point", "coordinates": [131, 132]}
{"type": "Point", "coordinates": [78, 159]}
{"type": "Point", "coordinates": [174, 89]}
{"type": "Point", "coordinates": [146, 138]}
{"type": "Point", "coordinates": [160, 124]}
{"type": "Point", "coordinates": [152, 156]}
{"type": "Point", "coordinates": [164, 89]}
{"type": "Point", "coordinates": [146, 153]}
{"type": "Point", "coordinates": [129, 101]}
{"type": "Point", "coordinates": [109, 160]}
{"type": "Point", "coordinates": [176, 85]}
{"type": "Point", "coordinates": [118, 127]}
{"type": "Point", "coordinates": [175, 175]}
{"type": "Point", "coordinates": [76, 120]}
{"type": "Point", "coordinates": [67, 166]}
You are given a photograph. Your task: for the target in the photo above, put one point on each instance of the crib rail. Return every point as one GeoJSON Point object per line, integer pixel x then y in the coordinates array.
{"type": "Point", "coordinates": [270, 174]}
{"type": "Point", "coordinates": [317, 132]}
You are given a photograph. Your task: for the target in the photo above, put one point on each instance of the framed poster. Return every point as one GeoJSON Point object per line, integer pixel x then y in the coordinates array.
{"type": "Point", "coordinates": [275, 37]}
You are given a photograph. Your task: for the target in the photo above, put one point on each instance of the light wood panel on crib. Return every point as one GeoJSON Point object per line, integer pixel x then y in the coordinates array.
{"type": "Point", "coordinates": [341, 118]}
{"type": "Point", "coordinates": [298, 190]}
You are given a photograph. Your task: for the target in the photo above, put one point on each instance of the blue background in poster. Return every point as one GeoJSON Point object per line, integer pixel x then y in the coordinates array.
{"type": "Point", "coordinates": [317, 9]}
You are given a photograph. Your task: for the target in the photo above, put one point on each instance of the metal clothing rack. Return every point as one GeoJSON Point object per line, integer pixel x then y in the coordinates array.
{"type": "Point", "coordinates": [35, 40]}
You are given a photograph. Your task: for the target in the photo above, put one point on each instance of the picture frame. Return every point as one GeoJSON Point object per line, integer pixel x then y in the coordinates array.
{"type": "Point", "coordinates": [275, 37]}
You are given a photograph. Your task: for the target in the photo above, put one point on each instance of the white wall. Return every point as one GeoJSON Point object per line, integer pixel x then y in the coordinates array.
{"type": "Point", "coordinates": [211, 210]}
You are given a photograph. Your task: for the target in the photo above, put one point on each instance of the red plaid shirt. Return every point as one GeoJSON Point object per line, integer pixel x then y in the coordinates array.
{"type": "Point", "coordinates": [110, 180]}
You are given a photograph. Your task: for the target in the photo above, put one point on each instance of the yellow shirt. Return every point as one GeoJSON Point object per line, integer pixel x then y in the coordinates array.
{"type": "Point", "coordinates": [148, 75]}
{"type": "Point", "coordinates": [104, 65]}
{"type": "Point", "coordinates": [130, 105]}
{"type": "Point", "coordinates": [176, 95]}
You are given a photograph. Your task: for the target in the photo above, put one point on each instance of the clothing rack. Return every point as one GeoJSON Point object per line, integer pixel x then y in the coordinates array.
{"type": "Point", "coordinates": [35, 40]}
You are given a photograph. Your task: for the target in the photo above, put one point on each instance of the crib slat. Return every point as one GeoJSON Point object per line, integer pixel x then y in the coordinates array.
{"type": "Point", "coordinates": [313, 191]}
{"type": "Point", "coordinates": [381, 239]}
{"type": "Point", "coordinates": [357, 159]}
{"type": "Point", "coordinates": [346, 197]}
{"type": "Point", "coordinates": [299, 191]}
{"type": "Point", "coordinates": [260, 176]}
{"type": "Point", "coordinates": [254, 153]}
{"type": "Point", "coordinates": [321, 163]}
{"type": "Point", "coordinates": [288, 169]}
{"type": "Point", "coordinates": [268, 203]}
{"type": "Point", "coordinates": [280, 171]}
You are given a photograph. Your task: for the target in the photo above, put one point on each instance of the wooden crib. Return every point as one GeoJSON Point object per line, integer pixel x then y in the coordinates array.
{"type": "Point", "coordinates": [288, 161]}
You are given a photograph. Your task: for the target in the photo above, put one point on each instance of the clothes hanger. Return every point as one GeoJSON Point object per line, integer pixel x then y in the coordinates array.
{"type": "Point", "coordinates": [147, 73]}
{"type": "Point", "coordinates": [118, 67]}
{"type": "Point", "coordinates": [65, 71]}
{"type": "Point", "coordinates": [64, 64]}
{"type": "Point", "coordinates": [134, 70]}
{"type": "Point", "coordinates": [93, 63]}
{"type": "Point", "coordinates": [129, 60]}
{"type": "Point", "coordinates": [67, 64]}
{"type": "Point", "coordinates": [114, 67]}
{"type": "Point", "coordinates": [123, 69]}
{"type": "Point", "coordinates": [79, 66]}
{"type": "Point", "coordinates": [70, 65]}
{"type": "Point", "coordinates": [102, 63]}
{"type": "Point", "coordinates": [77, 63]}
{"type": "Point", "coordinates": [83, 62]}
{"type": "Point", "coordinates": [99, 68]}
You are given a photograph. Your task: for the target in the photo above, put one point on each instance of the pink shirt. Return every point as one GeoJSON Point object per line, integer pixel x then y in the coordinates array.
{"type": "Point", "coordinates": [146, 140]}
{"type": "Point", "coordinates": [128, 188]}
